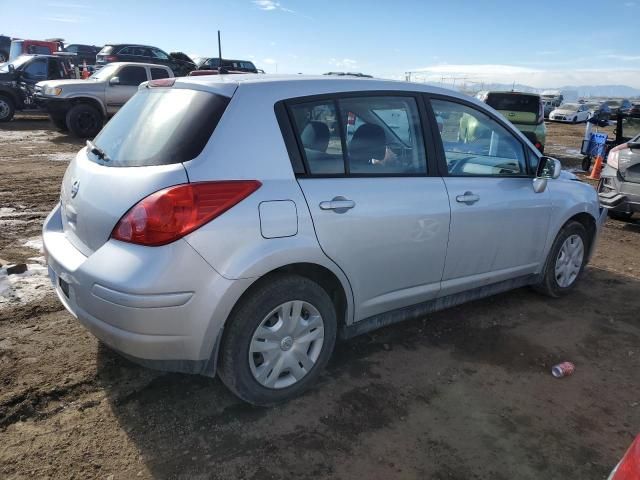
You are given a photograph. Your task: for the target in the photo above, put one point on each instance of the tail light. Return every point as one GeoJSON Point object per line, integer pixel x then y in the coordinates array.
{"type": "Point", "coordinates": [111, 58]}
{"type": "Point", "coordinates": [167, 215]}
{"type": "Point", "coordinates": [538, 146]}
{"type": "Point", "coordinates": [629, 466]}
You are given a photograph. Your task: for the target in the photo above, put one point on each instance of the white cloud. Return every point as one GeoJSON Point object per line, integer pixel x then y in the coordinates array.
{"type": "Point", "coordinates": [269, 61]}
{"type": "Point", "coordinates": [65, 18]}
{"type": "Point", "coordinates": [534, 77]}
{"type": "Point", "coordinates": [630, 4]}
{"type": "Point", "coordinates": [343, 62]}
{"type": "Point", "coordinates": [271, 5]}
{"type": "Point", "coordinates": [625, 58]}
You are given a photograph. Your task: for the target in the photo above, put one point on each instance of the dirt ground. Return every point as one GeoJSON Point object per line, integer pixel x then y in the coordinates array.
{"type": "Point", "coordinates": [463, 394]}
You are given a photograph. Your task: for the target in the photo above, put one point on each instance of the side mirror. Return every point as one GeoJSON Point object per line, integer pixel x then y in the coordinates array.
{"type": "Point", "coordinates": [547, 168]}
{"type": "Point", "coordinates": [114, 81]}
{"type": "Point", "coordinates": [11, 68]}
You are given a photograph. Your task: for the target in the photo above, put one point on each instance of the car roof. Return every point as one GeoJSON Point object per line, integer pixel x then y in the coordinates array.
{"type": "Point", "coordinates": [292, 86]}
{"type": "Point", "coordinates": [140, 64]}
{"type": "Point", "coordinates": [129, 45]}
{"type": "Point", "coordinates": [510, 92]}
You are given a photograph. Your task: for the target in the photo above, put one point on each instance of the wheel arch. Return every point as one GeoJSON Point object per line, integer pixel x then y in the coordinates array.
{"type": "Point", "coordinates": [589, 223]}
{"type": "Point", "coordinates": [94, 102]}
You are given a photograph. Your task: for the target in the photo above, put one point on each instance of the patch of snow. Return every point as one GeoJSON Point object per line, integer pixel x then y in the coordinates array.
{"type": "Point", "coordinates": [35, 243]}
{"type": "Point", "coordinates": [6, 211]}
{"type": "Point", "coordinates": [23, 288]}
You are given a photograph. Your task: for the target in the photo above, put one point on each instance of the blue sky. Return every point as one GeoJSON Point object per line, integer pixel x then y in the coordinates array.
{"type": "Point", "coordinates": [543, 43]}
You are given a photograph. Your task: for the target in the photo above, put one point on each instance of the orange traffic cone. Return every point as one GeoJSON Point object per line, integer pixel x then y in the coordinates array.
{"type": "Point", "coordinates": [597, 169]}
{"type": "Point", "coordinates": [85, 70]}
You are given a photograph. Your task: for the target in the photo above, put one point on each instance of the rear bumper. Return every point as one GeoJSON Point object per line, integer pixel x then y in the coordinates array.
{"type": "Point", "coordinates": [163, 307]}
{"type": "Point", "coordinates": [616, 194]}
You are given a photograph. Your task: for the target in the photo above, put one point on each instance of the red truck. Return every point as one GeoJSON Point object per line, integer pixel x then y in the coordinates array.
{"type": "Point", "coordinates": [39, 47]}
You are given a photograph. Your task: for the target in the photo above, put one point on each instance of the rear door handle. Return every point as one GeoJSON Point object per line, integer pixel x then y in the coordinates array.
{"type": "Point", "coordinates": [338, 204]}
{"type": "Point", "coordinates": [469, 198]}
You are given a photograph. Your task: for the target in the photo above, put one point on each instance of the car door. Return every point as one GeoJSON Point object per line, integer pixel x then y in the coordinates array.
{"type": "Point", "coordinates": [119, 91]}
{"type": "Point", "coordinates": [379, 212]}
{"type": "Point", "coordinates": [498, 222]}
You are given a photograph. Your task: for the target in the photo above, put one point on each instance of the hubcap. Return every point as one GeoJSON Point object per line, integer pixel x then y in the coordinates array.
{"type": "Point", "coordinates": [569, 261]}
{"type": "Point", "coordinates": [286, 345]}
{"type": "Point", "coordinates": [4, 109]}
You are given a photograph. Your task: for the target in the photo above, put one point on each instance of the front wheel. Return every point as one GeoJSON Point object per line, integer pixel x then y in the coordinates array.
{"type": "Point", "coordinates": [84, 121]}
{"type": "Point", "coordinates": [575, 120]}
{"type": "Point", "coordinates": [278, 340]}
{"type": "Point", "coordinates": [566, 261]}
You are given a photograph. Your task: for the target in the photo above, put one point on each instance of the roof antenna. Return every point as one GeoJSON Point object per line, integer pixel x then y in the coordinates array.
{"type": "Point", "coordinates": [221, 69]}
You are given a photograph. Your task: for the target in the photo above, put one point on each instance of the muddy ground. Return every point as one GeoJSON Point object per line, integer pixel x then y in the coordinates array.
{"type": "Point", "coordinates": [462, 394]}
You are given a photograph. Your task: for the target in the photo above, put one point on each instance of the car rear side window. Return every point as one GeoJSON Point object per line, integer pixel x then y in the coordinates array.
{"type": "Point", "coordinates": [373, 135]}
{"type": "Point", "coordinates": [159, 73]}
{"type": "Point", "coordinates": [319, 137]}
{"type": "Point", "coordinates": [160, 126]}
{"type": "Point", "coordinates": [132, 76]}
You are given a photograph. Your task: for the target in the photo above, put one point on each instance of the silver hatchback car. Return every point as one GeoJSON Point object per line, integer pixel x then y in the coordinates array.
{"type": "Point", "coordinates": [239, 224]}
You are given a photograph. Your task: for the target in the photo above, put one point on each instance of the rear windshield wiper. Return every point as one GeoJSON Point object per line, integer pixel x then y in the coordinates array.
{"type": "Point", "coordinates": [97, 151]}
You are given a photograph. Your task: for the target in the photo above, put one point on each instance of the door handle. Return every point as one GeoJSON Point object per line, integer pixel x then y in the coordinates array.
{"type": "Point", "coordinates": [338, 204]}
{"type": "Point", "coordinates": [469, 198]}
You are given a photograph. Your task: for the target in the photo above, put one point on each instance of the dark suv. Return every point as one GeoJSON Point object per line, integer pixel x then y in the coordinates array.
{"type": "Point", "coordinates": [143, 54]}
{"type": "Point", "coordinates": [84, 53]}
{"type": "Point", "coordinates": [236, 65]}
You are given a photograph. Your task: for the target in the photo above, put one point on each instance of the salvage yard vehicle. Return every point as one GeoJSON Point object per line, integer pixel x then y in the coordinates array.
{"type": "Point", "coordinates": [239, 224]}
{"type": "Point", "coordinates": [524, 110]}
{"type": "Point", "coordinates": [619, 106]}
{"type": "Point", "coordinates": [236, 65]}
{"type": "Point", "coordinates": [143, 54]}
{"type": "Point", "coordinates": [619, 187]}
{"type": "Point", "coordinates": [82, 106]}
{"type": "Point", "coordinates": [84, 53]}
{"type": "Point", "coordinates": [34, 47]}
{"type": "Point", "coordinates": [18, 79]}
{"type": "Point", "coordinates": [570, 113]}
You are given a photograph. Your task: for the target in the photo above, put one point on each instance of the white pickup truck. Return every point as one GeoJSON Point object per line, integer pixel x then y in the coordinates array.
{"type": "Point", "coordinates": [83, 106]}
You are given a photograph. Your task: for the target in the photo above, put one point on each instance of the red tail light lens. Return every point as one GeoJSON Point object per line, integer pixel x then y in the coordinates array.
{"type": "Point", "coordinates": [167, 215]}
{"type": "Point", "coordinates": [112, 58]}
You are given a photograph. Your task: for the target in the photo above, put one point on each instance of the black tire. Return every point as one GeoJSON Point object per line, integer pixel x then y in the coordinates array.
{"type": "Point", "coordinates": [233, 366]}
{"type": "Point", "coordinates": [622, 216]}
{"type": "Point", "coordinates": [59, 122]}
{"type": "Point", "coordinates": [84, 120]}
{"type": "Point", "coordinates": [586, 163]}
{"type": "Point", "coordinates": [575, 120]}
{"type": "Point", "coordinates": [549, 284]}
{"type": "Point", "coordinates": [7, 108]}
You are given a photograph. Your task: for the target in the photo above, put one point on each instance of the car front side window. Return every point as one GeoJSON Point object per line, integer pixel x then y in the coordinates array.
{"type": "Point", "coordinates": [475, 144]}
{"type": "Point", "coordinates": [132, 76]}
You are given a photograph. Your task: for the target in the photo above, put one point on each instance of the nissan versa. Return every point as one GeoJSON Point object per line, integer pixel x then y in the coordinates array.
{"type": "Point", "coordinates": [239, 224]}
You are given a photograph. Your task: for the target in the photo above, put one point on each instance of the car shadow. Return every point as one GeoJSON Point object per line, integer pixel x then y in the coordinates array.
{"type": "Point", "coordinates": [188, 426]}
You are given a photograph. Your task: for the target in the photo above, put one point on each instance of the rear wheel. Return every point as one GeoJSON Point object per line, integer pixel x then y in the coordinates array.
{"type": "Point", "coordinates": [566, 260]}
{"type": "Point", "coordinates": [7, 108]}
{"type": "Point", "coordinates": [278, 340]}
{"type": "Point", "coordinates": [84, 120]}
{"type": "Point", "coordinates": [586, 163]}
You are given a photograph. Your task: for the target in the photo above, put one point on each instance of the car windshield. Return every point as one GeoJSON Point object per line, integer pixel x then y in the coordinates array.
{"type": "Point", "coordinates": [159, 126]}
{"type": "Point", "coordinates": [514, 103]}
{"type": "Point", "coordinates": [572, 107]}
{"type": "Point", "coordinates": [104, 72]}
{"type": "Point", "coordinates": [17, 63]}
{"type": "Point", "coordinates": [106, 50]}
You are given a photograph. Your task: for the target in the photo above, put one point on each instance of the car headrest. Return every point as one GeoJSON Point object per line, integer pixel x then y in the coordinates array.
{"type": "Point", "coordinates": [369, 141]}
{"type": "Point", "coordinates": [315, 136]}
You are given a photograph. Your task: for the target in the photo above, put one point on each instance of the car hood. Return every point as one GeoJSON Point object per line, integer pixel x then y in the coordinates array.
{"type": "Point", "coordinates": [566, 175]}
{"type": "Point", "coordinates": [564, 112]}
{"type": "Point", "coordinates": [79, 85]}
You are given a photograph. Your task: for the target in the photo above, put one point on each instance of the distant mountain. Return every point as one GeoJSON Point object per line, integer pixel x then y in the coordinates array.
{"type": "Point", "coordinates": [604, 91]}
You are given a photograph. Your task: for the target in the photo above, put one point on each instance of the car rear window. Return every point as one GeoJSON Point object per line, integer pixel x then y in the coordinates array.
{"type": "Point", "coordinates": [160, 126]}
{"type": "Point", "coordinates": [106, 50]}
{"type": "Point", "coordinates": [514, 103]}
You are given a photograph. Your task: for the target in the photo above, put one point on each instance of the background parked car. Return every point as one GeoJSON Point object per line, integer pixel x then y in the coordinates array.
{"type": "Point", "coordinates": [618, 106]}
{"type": "Point", "coordinates": [237, 65]}
{"type": "Point", "coordinates": [143, 54]}
{"type": "Point", "coordinates": [84, 53]}
{"type": "Point", "coordinates": [5, 46]}
{"type": "Point", "coordinates": [21, 46]}
{"type": "Point", "coordinates": [635, 109]}
{"type": "Point", "coordinates": [524, 110]}
{"type": "Point", "coordinates": [601, 108]}
{"type": "Point", "coordinates": [570, 113]}
{"type": "Point", "coordinates": [18, 79]}
{"type": "Point", "coordinates": [549, 106]}
{"type": "Point", "coordinates": [82, 106]}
